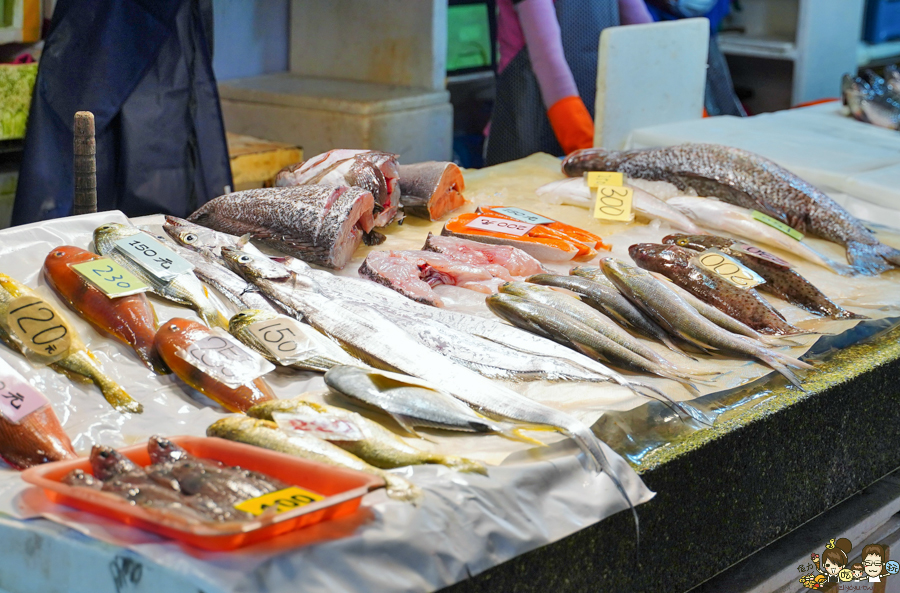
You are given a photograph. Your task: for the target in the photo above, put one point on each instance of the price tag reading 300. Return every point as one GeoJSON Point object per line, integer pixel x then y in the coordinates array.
{"type": "Point", "coordinates": [38, 328]}
{"type": "Point", "coordinates": [225, 359]}
{"type": "Point", "coordinates": [111, 278]}
{"type": "Point", "coordinates": [284, 338]}
{"type": "Point", "coordinates": [613, 203]}
{"type": "Point", "coordinates": [728, 269]}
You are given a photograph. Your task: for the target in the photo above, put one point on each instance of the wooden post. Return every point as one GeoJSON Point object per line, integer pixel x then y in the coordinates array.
{"type": "Point", "coordinates": [85, 164]}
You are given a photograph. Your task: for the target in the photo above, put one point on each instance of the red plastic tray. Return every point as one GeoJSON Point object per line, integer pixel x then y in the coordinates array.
{"type": "Point", "coordinates": [343, 489]}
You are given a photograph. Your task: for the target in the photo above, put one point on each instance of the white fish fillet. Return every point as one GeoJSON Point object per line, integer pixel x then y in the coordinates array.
{"type": "Point", "coordinates": [735, 220]}
{"type": "Point", "coordinates": [575, 192]}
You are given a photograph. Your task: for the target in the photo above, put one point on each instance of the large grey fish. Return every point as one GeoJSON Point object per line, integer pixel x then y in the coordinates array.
{"type": "Point", "coordinates": [781, 281]}
{"type": "Point", "coordinates": [379, 342]}
{"type": "Point", "coordinates": [185, 289]}
{"type": "Point", "coordinates": [431, 190]}
{"type": "Point", "coordinates": [266, 434]}
{"type": "Point", "coordinates": [744, 304]}
{"type": "Point", "coordinates": [413, 403]}
{"type": "Point", "coordinates": [378, 445]}
{"type": "Point", "coordinates": [324, 355]}
{"type": "Point", "coordinates": [681, 319]}
{"type": "Point", "coordinates": [371, 170]}
{"type": "Point", "coordinates": [750, 181]}
{"type": "Point", "coordinates": [321, 224]}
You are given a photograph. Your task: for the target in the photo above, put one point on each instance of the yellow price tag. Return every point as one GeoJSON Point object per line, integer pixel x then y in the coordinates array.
{"type": "Point", "coordinates": [111, 278]}
{"type": "Point", "coordinates": [728, 269]}
{"type": "Point", "coordinates": [598, 178]}
{"type": "Point", "coordinates": [285, 500]}
{"type": "Point", "coordinates": [613, 203]}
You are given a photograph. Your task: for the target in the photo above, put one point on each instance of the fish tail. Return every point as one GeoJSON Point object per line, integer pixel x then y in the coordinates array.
{"type": "Point", "coordinates": [667, 341]}
{"type": "Point", "coordinates": [83, 363]}
{"type": "Point", "coordinates": [461, 464]}
{"type": "Point", "coordinates": [663, 398]}
{"type": "Point", "coordinates": [781, 367]}
{"type": "Point", "coordinates": [515, 434]}
{"type": "Point", "coordinates": [871, 260]}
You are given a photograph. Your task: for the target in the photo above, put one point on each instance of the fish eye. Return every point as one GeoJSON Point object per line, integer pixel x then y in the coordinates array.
{"type": "Point", "coordinates": [245, 259]}
{"type": "Point", "coordinates": [58, 254]}
{"type": "Point", "coordinates": [682, 241]}
{"type": "Point", "coordinates": [189, 238]}
{"type": "Point", "coordinates": [173, 327]}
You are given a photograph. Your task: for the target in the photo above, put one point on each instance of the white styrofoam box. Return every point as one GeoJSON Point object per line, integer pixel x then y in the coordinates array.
{"type": "Point", "coordinates": [321, 114]}
{"type": "Point", "coordinates": [649, 75]}
{"type": "Point", "coordinates": [399, 42]}
{"type": "Point", "coordinates": [818, 143]}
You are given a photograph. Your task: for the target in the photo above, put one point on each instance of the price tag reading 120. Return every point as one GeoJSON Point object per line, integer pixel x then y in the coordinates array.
{"type": "Point", "coordinates": [284, 338]}
{"type": "Point", "coordinates": [153, 256]}
{"type": "Point", "coordinates": [38, 329]}
{"type": "Point", "coordinates": [111, 278]}
{"type": "Point", "coordinates": [728, 269]}
{"type": "Point", "coordinates": [613, 203]}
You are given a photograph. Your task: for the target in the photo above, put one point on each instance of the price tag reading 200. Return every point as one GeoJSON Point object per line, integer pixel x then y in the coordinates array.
{"type": "Point", "coordinates": [728, 269]}
{"type": "Point", "coordinates": [613, 203]}
{"type": "Point", "coordinates": [284, 338]}
{"type": "Point", "coordinates": [38, 328]}
{"type": "Point", "coordinates": [226, 360]}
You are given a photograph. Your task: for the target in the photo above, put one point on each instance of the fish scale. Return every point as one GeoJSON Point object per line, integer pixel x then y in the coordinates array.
{"type": "Point", "coordinates": [748, 180]}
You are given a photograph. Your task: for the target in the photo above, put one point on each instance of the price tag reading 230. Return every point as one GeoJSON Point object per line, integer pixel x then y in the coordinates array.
{"type": "Point", "coordinates": [728, 269]}
{"type": "Point", "coordinates": [111, 278]}
{"type": "Point", "coordinates": [38, 328]}
{"type": "Point", "coordinates": [284, 338]}
{"type": "Point", "coordinates": [225, 359]}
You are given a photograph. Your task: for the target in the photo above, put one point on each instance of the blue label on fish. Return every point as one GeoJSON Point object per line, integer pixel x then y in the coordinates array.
{"type": "Point", "coordinates": [524, 215]}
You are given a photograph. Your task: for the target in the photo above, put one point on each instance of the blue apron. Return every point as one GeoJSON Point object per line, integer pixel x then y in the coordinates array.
{"type": "Point", "coordinates": [144, 68]}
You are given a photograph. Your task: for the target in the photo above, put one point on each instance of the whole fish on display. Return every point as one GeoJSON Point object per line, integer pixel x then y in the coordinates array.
{"type": "Point", "coordinates": [320, 224]}
{"type": "Point", "coordinates": [130, 319]}
{"type": "Point", "coordinates": [79, 361]}
{"type": "Point", "coordinates": [371, 170]}
{"type": "Point", "coordinates": [204, 240]}
{"type": "Point", "coordinates": [431, 190]}
{"type": "Point", "coordinates": [378, 445]}
{"type": "Point", "coordinates": [184, 289]}
{"type": "Point", "coordinates": [176, 335]}
{"type": "Point", "coordinates": [749, 181]}
{"type": "Point", "coordinates": [266, 434]}
{"type": "Point", "coordinates": [681, 319]}
{"type": "Point", "coordinates": [744, 304]}
{"type": "Point", "coordinates": [781, 281]}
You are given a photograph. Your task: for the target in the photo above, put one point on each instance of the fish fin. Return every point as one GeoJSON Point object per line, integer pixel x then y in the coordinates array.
{"type": "Point", "coordinates": [515, 434]}
{"type": "Point", "coordinates": [778, 341]}
{"type": "Point", "coordinates": [776, 364]}
{"type": "Point", "coordinates": [667, 341]}
{"type": "Point", "coordinates": [461, 464]}
{"type": "Point", "coordinates": [407, 426]}
{"type": "Point", "coordinates": [663, 398]}
{"type": "Point", "coordinates": [845, 314]}
{"type": "Point", "coordinates": [871, 260]}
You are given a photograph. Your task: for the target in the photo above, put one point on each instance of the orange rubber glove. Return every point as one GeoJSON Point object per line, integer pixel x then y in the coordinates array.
{"type": "Point", "coordinates": [571, 123]}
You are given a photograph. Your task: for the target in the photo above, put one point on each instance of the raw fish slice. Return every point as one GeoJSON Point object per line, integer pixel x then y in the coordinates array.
{"type": "Point", "coordinates": [316, 223]}
{"type": "Point", "coordinates": [37, 438]}
{"type": "Point", "coordinates": [399, 274]}
{"type": "Point", "coordinates": [371, 170]}
{"type": "Point", "coordinates": [516, 261]}
{"type": "Point", "coordinates": [544, 246]}
{"type": "Point", "coordinates": [560, 229]}
{"type": "Point", "coordinates": [431, 190]}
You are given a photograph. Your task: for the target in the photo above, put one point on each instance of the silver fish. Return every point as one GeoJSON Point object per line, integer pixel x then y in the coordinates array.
{"type": "Point", "coordinates": [321, 224]}
{"type": "Point", "coordinates": [185, 289]}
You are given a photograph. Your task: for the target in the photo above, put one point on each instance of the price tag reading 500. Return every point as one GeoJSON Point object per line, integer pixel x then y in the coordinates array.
{"type": "Point", "coordinates": [226, 360]}
{"type": "Point", "coordinates": [283, 500]}
{"type": "Point", "coordinates": [111, 278]}
{"type": "Point", "coordinates": [38, 328]}
{"type": "Point", "coordinates": [284, 338]}
{"type": "Point", "coordinates": [728, 269]}
{"type": "Point", "coordinates": [613, 203]}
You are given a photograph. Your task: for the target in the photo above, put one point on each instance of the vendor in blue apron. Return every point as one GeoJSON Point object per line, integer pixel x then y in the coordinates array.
{"type": "Point", "coordinates": [547, 74]}
{"type": "Point", "coordinates": [144, 69]}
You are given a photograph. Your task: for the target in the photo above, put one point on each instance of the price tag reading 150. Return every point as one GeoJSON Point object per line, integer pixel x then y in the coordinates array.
{"type": "Point", "coordinates": [728, 269]}
{"type": "Point", "coordinates": [111, 278]}
{"type": "Point", "coordinates": [284, 338]}
{"type": "Point", "coordinates": [153, 256]}
{"type": "Point", "coordinates": [613, 203]}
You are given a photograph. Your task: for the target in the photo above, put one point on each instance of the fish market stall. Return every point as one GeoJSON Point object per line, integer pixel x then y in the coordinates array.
{"type": "Point", "coordinates": [712, 436]}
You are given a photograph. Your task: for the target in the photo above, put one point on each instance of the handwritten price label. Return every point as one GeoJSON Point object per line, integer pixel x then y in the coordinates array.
{"type": "Point", "coordinates": [225, 359]}
{"type": "Point", "coordinates": [728, 269]}
{"type": "Point", "coordinates": [111, 278]}
{"type": "Point", "coordinates": [613, 203]}
{"type": "Point", "coordinates": [601, 178]}
{"type": "Point", "coordinates": [523, 215]}
{"type": "Point", "coordinates": [18, 399]}
{"type": "Point", "coordinates": [777, 224]}
{"type": "Point", "coordinates": [153, 256]}
{"type": "Point", "coordinates": [325, 426]}
{"type": "Point", "coordinates": [284, 338]}
{"type": "Point", "coordinates": [500, 225]}
{"type": "Point", "coordinates": [39, 329]}
{"type": "Point", "coordinates": [283, 500]}
{"type": "Point", "coordinates": [759, 253]}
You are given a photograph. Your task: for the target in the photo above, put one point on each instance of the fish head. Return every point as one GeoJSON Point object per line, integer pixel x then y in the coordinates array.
{"type": "Point", "coordinates": [64, 255]}
{"type": "Point", "coordinates": [13, 287]}
{"type": "Point", "coordinates": [254, 266]}
{"type": "Point", "coordinates": [107, 234]}
{"type": "Point", "coordinates": [180, 330]}
{"type": "Point", "coordinates": [162, 450]}
{"type": "Point", "coordinates": [106, 462]}
{"type": "Point", "coordinates": [521, 289]}
{"type": "Point", "coordinates": [698, 242]}
{"type": "Point", "coordinates": [656, 257]}
{"type": "Point", "coordinates": [248, 317]}
{"type": "Point", "coordinates": [585, 271]}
